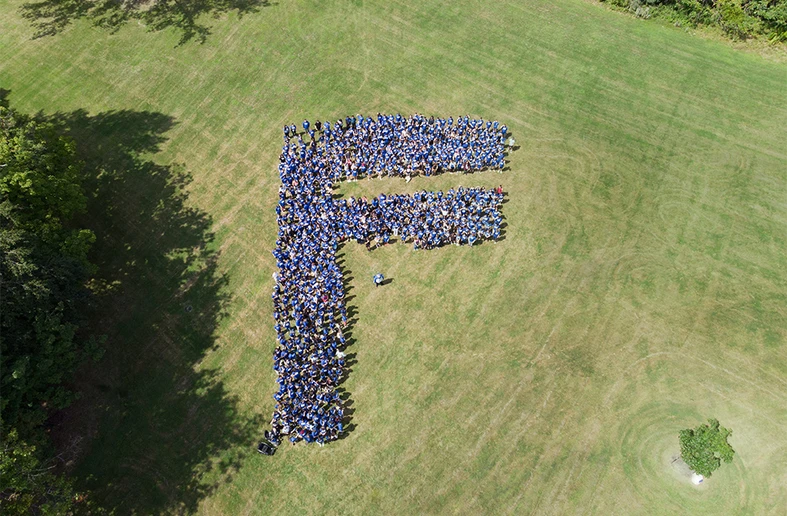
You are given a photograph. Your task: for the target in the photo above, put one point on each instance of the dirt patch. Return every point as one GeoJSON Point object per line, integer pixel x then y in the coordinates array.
{"type": "Point", "coordinates": [680, 469]}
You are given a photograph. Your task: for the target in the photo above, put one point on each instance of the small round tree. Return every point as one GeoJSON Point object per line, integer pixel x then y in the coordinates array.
{"type": "Point", "coordinates": [703, 448]}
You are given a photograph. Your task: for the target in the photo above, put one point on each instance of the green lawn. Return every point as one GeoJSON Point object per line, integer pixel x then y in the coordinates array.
{"type": "Point", "coordinates": [640, 289]}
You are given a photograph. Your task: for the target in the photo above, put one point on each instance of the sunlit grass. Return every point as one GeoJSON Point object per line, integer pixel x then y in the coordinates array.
{"type": "Point", "coordinates": [639, 290]}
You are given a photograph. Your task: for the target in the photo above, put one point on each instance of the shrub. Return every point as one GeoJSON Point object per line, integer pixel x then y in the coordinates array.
{"type": "Point", "coordinates": [738, 19]}
{"type": "Point", "coordinates": [703, 448]}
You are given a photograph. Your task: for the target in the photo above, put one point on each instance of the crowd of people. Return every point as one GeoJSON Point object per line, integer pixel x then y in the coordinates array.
{"type": "Point", "coordinates": [428, 219]}
{"type": "Point", "coordinates": [308, 298]}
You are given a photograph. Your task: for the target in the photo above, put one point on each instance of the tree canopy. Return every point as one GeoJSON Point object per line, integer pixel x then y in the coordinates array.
{"type": "Point", "coordinates": [43, 266]}
{"type": "Point", "coordinates": [703, 448]}
{"type": "Point", "coordinates": [43, 295]}
{"type": "Point", "coordinates": [28, 486]}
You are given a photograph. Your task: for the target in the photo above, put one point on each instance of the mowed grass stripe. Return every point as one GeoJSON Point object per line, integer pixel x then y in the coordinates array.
{"type": "Point", "coordinates": [547, 373]}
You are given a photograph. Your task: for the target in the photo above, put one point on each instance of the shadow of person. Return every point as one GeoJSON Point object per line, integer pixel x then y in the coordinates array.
{"type": "Point", "coordinates": [155, 432]}
{"type": "Point", "coordinates": [350, 359]}
{"type": "Point", "coordinates": [386, 281]}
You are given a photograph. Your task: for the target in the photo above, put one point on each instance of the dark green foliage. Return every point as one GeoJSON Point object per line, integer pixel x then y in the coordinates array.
{"type": "Point", "coordinates": [43, 273]}
{"type": "Point", "coordinates": [773, 14]}
{"type": "Point", "coordinates": [703, 448]}
{"type": "Point", "coordinates": [739, 19]}
{"type": "Point", "coordinates": [44, 267]}
{"type": "Point", "coordinates": [26, 485]}
{"type": "Point", "coordinates": [50, 17]}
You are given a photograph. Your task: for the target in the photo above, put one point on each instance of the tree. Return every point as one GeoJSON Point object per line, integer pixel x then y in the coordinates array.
{"type": "Point", "coordinates": [26, 485]}
{"type": "Point", "coordinates": [703, 448]}
{"type": "Point", "coordinates": [43, 269]}
{"type": "Point", "coordinates": [43, 295]}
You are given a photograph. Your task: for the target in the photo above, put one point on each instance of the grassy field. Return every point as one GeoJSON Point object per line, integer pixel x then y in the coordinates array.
{"type": "Point", "coordinates": [640, 289]}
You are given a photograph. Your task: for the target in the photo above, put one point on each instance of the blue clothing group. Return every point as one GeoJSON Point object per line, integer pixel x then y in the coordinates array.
{"type": "Point", "coordinates": [308, 298]}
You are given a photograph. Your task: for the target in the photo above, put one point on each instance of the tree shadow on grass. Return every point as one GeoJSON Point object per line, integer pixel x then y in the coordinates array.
{"type": "Point", "coordinates": [50, 17]}
{"type": "Point", "coordinates": [154, 431]}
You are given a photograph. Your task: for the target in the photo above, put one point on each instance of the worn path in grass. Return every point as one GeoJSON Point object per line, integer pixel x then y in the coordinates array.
{"type": "Point", "coordinates": [640, 288]}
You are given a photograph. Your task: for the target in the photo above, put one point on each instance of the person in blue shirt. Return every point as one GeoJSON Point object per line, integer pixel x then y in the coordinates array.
{"type": "Point", "coordinates": [309, 291]}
